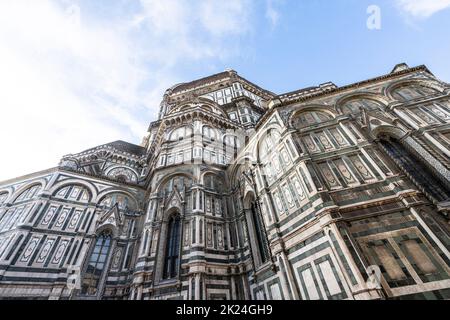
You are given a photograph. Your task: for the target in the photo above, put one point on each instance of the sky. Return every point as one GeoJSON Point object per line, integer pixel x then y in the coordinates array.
{"type": "Point", "coordinates": [75, 74]}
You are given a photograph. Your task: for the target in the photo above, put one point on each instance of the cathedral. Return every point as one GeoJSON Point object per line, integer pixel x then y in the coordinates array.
{"type": "Point", "coordinates": [238, 193]}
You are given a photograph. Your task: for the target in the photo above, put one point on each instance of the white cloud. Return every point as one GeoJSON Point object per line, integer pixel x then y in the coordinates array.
{"type": "Point", "coordinates": [194, 29]}
{"type": "Point", "coordinates": [422, 8]}
{"type": "Point", "coordinates": [224, 18]}
{"type": "Point", "coordinates": [272, 13]}
{"type": "Point", "coordinates": [57, 81]}
{"type": "Point", "coordinates": [70, 81]}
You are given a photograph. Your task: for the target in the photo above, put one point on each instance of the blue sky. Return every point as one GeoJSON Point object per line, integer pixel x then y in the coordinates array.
{"type": "Point", "coordinates": [79, 73]}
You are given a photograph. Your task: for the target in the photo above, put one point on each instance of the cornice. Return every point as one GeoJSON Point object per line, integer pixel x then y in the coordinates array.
{"type": "Point", "coordinates": [28, 176]}
{"type": "Point", "coordinates": [101, 178]}
{"type": "Point", "coordinates": [282, 101]}
{"type": "Point", "coordinates": [193, 86]}
{"type": "Point", "coordinates": [351, 86]}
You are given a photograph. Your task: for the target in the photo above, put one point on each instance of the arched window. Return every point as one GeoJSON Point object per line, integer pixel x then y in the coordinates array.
{"type": "Point", "coordinates": [171, 261]}
{"type": "Point", "coordinates": [309, 118]}
{"type": "Point", "coordinates": [123, 174]}
{"type": "Point", "coordinates": [256, 229]}
{"type": "Point", "coordinates": [260, 237]}
{"type": "Point", "coordinates": [209, 133]}
{"type": "Point", "coordinates": [231, 141]}
{"type": "Point", "coordinates": [29, 193]}
{"type": "Point", "coordinates": [124, 201]}
{"type": "Point", "coordinates": [96, 264]}
{"type": "Point", "coordinates": [269, 143]}
{"type": "Point", "coordinates": [412, 91]}
{"type": "Point", "coordinates": [121, 178]}
{"type": "Point", "coordinates": [146, 238]}
{"type": "Point", "coordinates": [213, 182]}
{"type": "Point", "coordinates": [74, 193]}
{"type": "Point", "coordinates": [354, 106]}
{"type": "Point", "coordinates": [179, 182]}
{"type": "Point", "coordinates": [180, 133]}
{"type": "Point", "coordinates": [268, 156]}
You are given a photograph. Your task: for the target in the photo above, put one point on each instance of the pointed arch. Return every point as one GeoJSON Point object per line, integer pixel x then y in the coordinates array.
{"type": "Point", "coordinates": [96, 264]}
{"type": "Point", "coordinates": [255, 222]}
{"type": "Point", "coordinates": [172, 244]}
{"type": "Point", "coordinates": [236, 169]}
{"type": "Point", "coordinates": [109, 228]}
{"type": "Point", "coordinates": [267, 144]}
